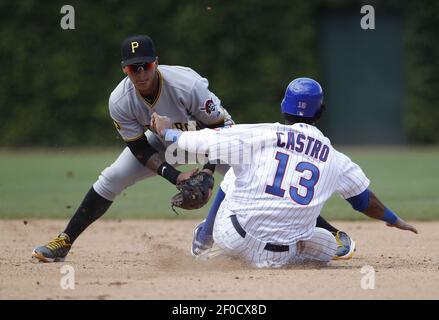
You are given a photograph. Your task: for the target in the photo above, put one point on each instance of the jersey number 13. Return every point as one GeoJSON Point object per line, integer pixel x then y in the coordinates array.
{"type": "Point", "coordinates": [276, 189]}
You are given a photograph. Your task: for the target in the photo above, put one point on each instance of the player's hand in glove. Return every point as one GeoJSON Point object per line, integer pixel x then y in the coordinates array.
{"type": "Point", "coordinates": [195, 192]}
{"type": "Point", "coordinates": [401, 224]}
{"type": "Point", "coordinates": [186, 175]}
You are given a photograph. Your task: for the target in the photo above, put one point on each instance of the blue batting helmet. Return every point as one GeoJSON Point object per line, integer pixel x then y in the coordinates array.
{"type": "Point", "coordinates": [303, 98]}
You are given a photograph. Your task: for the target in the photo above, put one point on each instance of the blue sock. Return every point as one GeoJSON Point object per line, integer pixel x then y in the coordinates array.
{"type": "Point", "coordinates": [207, 230]}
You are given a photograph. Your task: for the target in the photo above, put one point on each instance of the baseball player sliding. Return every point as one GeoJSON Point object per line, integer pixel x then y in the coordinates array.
{"type": "Point", "coordinates": [281, 177]}
{"type": "Point", "coordinates": [176, 92]}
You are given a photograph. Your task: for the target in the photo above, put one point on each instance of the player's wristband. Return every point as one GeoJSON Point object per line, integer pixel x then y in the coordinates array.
{"type": "Point", "coordinates": [172, 134]}
{"type": "Point", "coordinates": [168, 172]}
{"type": "Point", "coordinates": [389, 216]}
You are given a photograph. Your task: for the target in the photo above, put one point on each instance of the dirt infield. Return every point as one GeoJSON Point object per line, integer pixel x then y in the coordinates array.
{"type": "Point", "coordinates": [150, 259]}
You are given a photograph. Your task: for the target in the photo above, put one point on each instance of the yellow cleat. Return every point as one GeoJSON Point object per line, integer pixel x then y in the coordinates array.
{"type": "Point", "coordinates": [55, 251]}
{"type": "Point", "coordinates": [345, 246]}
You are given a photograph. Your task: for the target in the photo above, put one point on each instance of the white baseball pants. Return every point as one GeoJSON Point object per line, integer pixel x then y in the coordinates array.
{"type": "Point", "coordinates": [321, 247]}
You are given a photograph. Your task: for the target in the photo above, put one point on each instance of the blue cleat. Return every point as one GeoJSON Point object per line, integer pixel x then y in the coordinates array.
{"type": "Point", "coordinates": [345, 246]}
{"type": "Point", "coordinates": [200, 246]}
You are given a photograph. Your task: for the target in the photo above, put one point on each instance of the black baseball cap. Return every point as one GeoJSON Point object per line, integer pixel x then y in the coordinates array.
{"type": "Point", "coordinates": [137, 49]}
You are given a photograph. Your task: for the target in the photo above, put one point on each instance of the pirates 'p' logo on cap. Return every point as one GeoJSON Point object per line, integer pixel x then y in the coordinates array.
{"type": "Point", "coordinates": [137, 49]}
{"type": "Point", "coordinates": [134, 46]}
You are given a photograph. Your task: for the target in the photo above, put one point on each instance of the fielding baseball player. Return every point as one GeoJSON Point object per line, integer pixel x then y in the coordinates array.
{"type": "Point", "coordinates": [173, 91]}
{"type": "Point", "coordinates": [281, 177]}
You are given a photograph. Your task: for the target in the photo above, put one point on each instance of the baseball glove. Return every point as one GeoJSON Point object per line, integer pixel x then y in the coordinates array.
{"type": "Point", "coordinates": [194, 192]}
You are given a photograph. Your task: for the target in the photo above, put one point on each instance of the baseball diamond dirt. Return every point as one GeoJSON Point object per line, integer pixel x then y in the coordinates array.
{"type": "Point", "coordinates": [150, 259]}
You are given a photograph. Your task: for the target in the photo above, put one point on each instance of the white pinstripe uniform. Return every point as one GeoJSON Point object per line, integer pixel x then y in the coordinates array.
{"type": "Point", "coordinates": [278, 193]}
{"type": "Point", "coordinates": [183, 96]}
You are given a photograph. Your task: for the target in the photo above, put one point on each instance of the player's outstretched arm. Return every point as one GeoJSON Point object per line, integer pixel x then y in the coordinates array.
{"type": "Point", "coordinates": [159, 165]}
{"type": "Point", "coordinates": [160, 124]}
{"type": "Point", "coordinates": [150, 158]}
{"type": "Point", "coordinates": [377, 210]}
{"type": "Point", "coordinates": [369, 204]}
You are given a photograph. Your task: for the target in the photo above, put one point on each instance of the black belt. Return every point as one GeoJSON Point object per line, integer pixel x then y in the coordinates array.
{"type": "Point", "coordinates": [268, 246]}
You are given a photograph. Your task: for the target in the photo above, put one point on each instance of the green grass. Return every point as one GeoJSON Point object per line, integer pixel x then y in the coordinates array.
{"type": "Point", "coordinates": [52, 183]}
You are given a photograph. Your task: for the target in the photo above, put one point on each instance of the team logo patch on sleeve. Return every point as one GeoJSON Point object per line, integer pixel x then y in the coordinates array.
{"type": "Point", "coordinates": [209, 106]}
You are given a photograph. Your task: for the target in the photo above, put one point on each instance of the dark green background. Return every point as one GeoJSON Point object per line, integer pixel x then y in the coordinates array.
{"type": "Point", "coordinates": [382, 85]}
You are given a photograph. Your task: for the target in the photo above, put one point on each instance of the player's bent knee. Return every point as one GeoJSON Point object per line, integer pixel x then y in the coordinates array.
{"type": "Point", "coordinates": [321, 247]}
{"type": "Point", "coordinates": [99, 187]}
{"type": "Point", "coordinates": [111, 183]}
{"type": "Point", "coordinates": [328, 243]}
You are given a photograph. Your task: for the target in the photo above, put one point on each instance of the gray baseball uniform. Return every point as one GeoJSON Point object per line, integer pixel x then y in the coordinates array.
{"type": "Point", "coordinates": [183, 96]}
